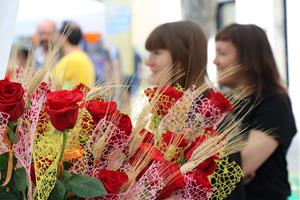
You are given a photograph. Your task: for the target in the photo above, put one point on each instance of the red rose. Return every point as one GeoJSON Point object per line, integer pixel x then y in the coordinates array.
{"type": "Point", "coordinates": [208, 166]}
{"type": "Point", "coordinates": [193, 146]}
{"type": "Point", "coordinates": [123, 123]}
{"type": "Point", "coordinates": [201, 179]}
{"type": "Point", "coordinates": [209, 132]}
{"type": "Point", "coordinates": [111, 180]}
{"type": "Point", "coordinates": [203, 170]}
{"type": "Point", "coordinates": [101, 109]}
{"type": "Point", "coordinates": [148, 136]}
{"type": "Point", "coordinates": [11, 99]}
{"type": "Point", "coordinates": [174, 175]}
{"type": "Point", "coordinates": [219, 101]}
{"type": "Point", "coordinates": [173, 138]}
{"type": "Point", "coordinates": [172, 92]}
{"type": "Point", "coordinates": [146, 149]}
{"type": "Point", "coordinates": [7, 76]}
{"type": "Point", "coordinates": [62, 107]}
{"type": "Point", "coordinates": [167, 99]}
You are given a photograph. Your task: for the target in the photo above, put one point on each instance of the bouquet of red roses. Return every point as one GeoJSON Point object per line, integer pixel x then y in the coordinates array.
{"type": "Point", "coordinates": [175, 150]}
{"type": "Point", "coordinates": [185, 146]}
{"type": "Point", "coordinates": [35, 124]}
{"type": "Point", "coordinates": [71, 144]}
{"type": "Point", "coordinates": [19, 112]}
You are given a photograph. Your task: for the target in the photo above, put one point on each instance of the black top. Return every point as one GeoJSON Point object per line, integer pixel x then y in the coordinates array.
{"type": "Point", "coordinates": [240, 112]}
{"type": "Point", "coordinates": [274, 114]}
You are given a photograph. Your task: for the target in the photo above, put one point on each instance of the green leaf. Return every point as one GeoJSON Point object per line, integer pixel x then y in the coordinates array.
{"type": "Point", "coordinates": [58, 192]}
{"type": "Point", "coordinates": [12, 137]}
{"type": "Point", "coordinates": [12, 125]}
{"type": "Point", "coordinates": [10, 196]}
{"type": "Point", "coordinates": [66, 175]}
{"type": "Point", "coordinates": [181, 160]}
{"type": "Point", "coordinates": [3, 165]}
{"type": "Point", "coordinates": [2, 190]}
{"type": "Point", "coordinates": [20, 179]}
{"type": "Point", "coordinates": [67, 165]}
{"type": "Point", "coordinates": [86, 186]}
{"type": "Point", "coordinates": [3, 161]}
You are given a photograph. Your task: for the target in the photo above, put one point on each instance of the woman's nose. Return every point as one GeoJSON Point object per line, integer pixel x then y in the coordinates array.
{"type": "Point", "coordinates": [215, 61]}
{"type": "Point", "coordinates": [148, 61]}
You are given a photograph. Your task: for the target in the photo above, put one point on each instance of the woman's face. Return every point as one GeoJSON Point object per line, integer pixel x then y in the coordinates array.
{"type": "Point", "coordinates": [226, 57]}
{"type": "Point", "coordinates": [159, 60]}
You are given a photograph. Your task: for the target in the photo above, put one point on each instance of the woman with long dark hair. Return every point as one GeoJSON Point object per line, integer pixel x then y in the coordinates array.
{"type": "Point", "coordinates": [271, 122]}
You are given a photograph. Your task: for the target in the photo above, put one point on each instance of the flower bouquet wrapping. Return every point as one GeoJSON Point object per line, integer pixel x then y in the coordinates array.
{"type": "Point", "coordinates": [78, 144]}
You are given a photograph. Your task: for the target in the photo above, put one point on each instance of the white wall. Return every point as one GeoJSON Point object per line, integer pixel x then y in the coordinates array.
{"type": "Point", "coordinates": [293, 34]}
{"type": "Point", "coordinates": [89, 14]}
{"type": "Point", "coordinates": [147, 15]}
{"type": "Point", "coordinates": [8, 14]}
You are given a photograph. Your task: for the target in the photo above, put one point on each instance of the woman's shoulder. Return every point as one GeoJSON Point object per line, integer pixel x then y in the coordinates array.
{"type": "Point", "coordinates": [274, 112]}
{"type": "Point", "coordinates": [275, 99]}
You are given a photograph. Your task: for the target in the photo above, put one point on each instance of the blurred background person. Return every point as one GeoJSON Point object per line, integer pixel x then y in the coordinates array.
{"type": "Point", "coordinates": [22, 57]}
{"type": "Point", "coordinates": [45, 37]}
{"type": "Point", "coordinates": [75, 66]}
{"type": "Point", "coordinates": [271, 122]}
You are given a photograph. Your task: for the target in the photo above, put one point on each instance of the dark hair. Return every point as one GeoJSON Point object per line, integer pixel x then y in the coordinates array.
{"type": "Point", "coordinates": [72, 32]}
{"type": "Point", "coordinates": [255, 56]}
{"type": "Point", "coordinates": [23, 52]}
{"type": "Point", "coordinates": [188, 46]}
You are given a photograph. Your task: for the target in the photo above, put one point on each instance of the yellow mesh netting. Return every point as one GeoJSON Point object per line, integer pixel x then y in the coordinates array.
{"type": "Point", "coordinates": [45, 154]}
{"type": "Point", "coordinates": [43, 126]}
{"type": "Point", "coordinates": [103, 145]}
{"type": "Point", "coordinates": [81, 135]}
{"type": "Point", "coordinates": [77, 142]}
{"type": "Point", "coordinates": [225, 178]}
{"type": "Point", "coordinates": [175, 120]}
{"type": "Point", "coordinates": [82, 131]}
